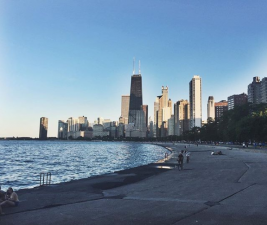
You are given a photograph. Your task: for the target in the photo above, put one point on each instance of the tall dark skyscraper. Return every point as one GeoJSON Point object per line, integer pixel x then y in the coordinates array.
{"type": "Point", "coordinates": [136, 97]}
{"type": "Point", "coordinates": [136, 100]}
{"type": "Point", "coordinates": [43, 128]}
{"type": "Point", "coordinates": [136, 112]}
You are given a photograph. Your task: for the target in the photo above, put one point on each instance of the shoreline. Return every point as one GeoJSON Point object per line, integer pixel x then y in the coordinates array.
{"type": "Point", "coordinates": [90, 170]}
{"type": "Point", "coordinates": [167, 146]}
{"type": "Point", "coordinates": [163, 160]}
{"type": "Point", "coordinates": [217, 187]}
{"type": "Point", "coordinates": [95, 186]}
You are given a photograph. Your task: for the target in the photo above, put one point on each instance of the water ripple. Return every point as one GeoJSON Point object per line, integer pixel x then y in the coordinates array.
{"type": "Point", "coordinates": [22, 161]}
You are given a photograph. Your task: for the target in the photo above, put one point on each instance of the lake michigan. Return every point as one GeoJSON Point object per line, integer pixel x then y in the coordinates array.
{"type": "Point", "coordinates": [21, 162]}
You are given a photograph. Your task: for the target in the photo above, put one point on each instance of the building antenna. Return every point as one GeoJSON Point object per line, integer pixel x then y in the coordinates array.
{"type": "Point", "coordinates": [133, 65]}
{"type": "Point", "coordinates": [139, 67]}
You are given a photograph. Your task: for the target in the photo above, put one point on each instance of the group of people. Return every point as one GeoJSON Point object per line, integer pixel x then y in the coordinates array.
{"type": "Point", "coordinates": [8, 198]}
{"type": "Point", "coordinates": [181, 158]}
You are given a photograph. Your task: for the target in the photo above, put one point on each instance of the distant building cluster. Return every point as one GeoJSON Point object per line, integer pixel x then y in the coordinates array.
{"type": "Point", "coordinates": [168, 119]}
{"type": "Point", "coordinates": [75, 128]}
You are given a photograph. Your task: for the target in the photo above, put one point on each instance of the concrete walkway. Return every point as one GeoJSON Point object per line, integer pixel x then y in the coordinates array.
{"type": "Point", "coordinates": [212, 189]}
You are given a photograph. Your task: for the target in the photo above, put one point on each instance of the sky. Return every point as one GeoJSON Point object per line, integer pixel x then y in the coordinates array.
{"type": "Point", "coordinates": [70, 58]}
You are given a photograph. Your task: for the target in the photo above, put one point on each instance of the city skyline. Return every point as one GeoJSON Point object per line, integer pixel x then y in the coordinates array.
{"type": "Point", "coordinates": [68, 59]}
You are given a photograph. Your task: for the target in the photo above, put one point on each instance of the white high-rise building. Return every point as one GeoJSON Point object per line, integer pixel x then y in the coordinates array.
{"type": "Point", "coordinates": [125, 101]}
{"type": "Point", "coordinates": [211, 108]}
{"type": "Point", "coordinates": [195, 93]}
{"type": "Point", "coordinates": [162, 112]}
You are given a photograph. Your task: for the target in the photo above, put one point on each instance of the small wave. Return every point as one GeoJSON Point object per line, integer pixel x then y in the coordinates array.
{"type": "Point", "coordinates": [28, 161]}
{"type": "Point", "coordinates": [71, 160]}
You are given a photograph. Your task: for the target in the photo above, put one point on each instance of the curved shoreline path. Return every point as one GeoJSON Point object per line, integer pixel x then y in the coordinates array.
{"type": "Point", "coordinates": [212, 189]}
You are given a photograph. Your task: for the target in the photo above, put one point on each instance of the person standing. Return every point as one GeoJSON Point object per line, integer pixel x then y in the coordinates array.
{"type": "Point", "coordinates": [180, 161]}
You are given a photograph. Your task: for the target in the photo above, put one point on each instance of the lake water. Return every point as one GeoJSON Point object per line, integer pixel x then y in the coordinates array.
{"type": "Point", "coordinates": [21, 162]}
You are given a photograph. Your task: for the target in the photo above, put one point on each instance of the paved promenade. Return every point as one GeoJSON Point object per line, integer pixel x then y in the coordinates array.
{"type": "Point", "coordinates": [212, 189]}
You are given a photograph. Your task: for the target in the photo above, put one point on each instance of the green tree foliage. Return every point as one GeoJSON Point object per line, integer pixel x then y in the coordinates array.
{"type": "Point", "coordinates": [243, 123]}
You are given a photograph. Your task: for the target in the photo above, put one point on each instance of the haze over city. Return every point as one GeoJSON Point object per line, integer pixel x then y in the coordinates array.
{"type": "Point", "coordinates": [74, 58]}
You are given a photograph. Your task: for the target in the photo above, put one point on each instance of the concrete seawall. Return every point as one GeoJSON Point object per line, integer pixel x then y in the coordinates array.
{"type": "Point", "coordinates": [212, 189]}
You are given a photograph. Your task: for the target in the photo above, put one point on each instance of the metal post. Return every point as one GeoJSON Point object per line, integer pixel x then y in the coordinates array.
{"type": "Point", "coordinates": [45, 179]}
{"type": "Point", "coordinates": [48, 178]}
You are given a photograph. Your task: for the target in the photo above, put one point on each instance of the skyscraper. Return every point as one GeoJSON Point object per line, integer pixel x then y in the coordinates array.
{"type": "Point", "coordinates": [62, 129]}
{"type": "Point", "coordinates": [156, 108]}
{"type": "Point", "coordinates": [235, 100]}
{"type": "Point", "coordinates": [254, 91]}
{"type": "Point", "coordinates": [181, 117]}
{"type": "Point", "coordinates": [125, 101]}
{"type": "Point", "coordinates": [195, 93]}
{"type": "Point", "coordinates": [145, 109]}
{"type": "Point", "coordinates": [136, 96]}
{"type": "Point", "coordinates": [151, 128]}
{"type": "Point", "coordinates": [220, 108]}
{"type": "Point", "coordinates": [210, 108]}
{"type": "Point", "coordinates": [83, 123]}
{"type": "Point", "coordinates": [162, 112]}
{"type": "Point", "coordinates": [171, 125]}
{"type": "Point", "coordinates": [136, 113]}
{"type": "Point", "coordinates": [264, 90]}
{"type": "Point", "coordinates": [43, 128]}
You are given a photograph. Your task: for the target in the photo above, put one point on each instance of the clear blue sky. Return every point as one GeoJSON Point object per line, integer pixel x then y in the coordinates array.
{"type": "Point", "coordinates": [63, 58]}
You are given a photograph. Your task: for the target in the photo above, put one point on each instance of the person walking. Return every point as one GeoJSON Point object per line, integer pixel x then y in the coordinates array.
{"type": "Point", "coordinates": [180, 161]}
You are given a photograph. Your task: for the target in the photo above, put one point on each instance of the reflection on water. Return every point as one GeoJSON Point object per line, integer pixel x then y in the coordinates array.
{"type": "Point", "coordinates": [21, 162]}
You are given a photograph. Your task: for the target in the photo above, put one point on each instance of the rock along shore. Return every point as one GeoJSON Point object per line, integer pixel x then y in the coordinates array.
{"type": "Point", "coordinates": [212, 189]}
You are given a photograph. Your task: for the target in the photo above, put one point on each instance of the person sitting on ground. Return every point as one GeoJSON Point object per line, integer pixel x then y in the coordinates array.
{"type": "Point", "coordinates": [11, 199]}
{"type": "Point", "coordinates": [217, 153]}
